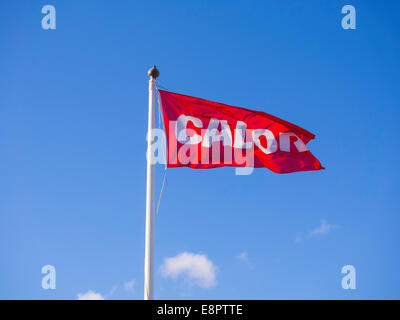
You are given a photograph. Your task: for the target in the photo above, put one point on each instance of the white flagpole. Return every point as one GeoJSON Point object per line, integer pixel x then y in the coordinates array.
{"type": "Point", "coordinates": [149, 249]}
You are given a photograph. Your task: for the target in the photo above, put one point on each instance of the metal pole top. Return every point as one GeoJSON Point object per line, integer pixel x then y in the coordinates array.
{"type": "Point", "coordinates": [153, 72]}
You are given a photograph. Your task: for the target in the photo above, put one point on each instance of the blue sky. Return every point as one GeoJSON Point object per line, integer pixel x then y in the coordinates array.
{"type": "Point", "coordinates": [73, 121]}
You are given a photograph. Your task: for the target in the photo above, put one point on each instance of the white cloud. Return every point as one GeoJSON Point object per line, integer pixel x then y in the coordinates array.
{"type": "Point", "coordinates": [324, 228]}
{"type": "Point", "coordinates": [197, 269]}
{"type": "Point", "coordinates": [243, 256]}
{"type": "Point", "coordinates": [90, 295]}
{"type": "Point", "coordinates": [113, 289]}
{"type": "Point", "coordinates": [128, 286]}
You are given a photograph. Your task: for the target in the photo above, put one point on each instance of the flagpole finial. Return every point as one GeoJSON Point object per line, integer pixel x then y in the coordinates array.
{"type": "Point", "coordinates": [153, 72]}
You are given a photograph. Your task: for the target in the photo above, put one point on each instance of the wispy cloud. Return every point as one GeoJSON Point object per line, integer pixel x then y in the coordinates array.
{"type": "Point", "coordinates": [129, 286]}
{"type": "Point", "coordinates": [243, 256]}
{"type": "Point", "coordinates": [196, 269]}
{"type": "Point", "coordinates": [113, 289]}
{"type": "Point", "coordinates": [323, 229]}
{"type": "Point", "coordinates": [90, 295]}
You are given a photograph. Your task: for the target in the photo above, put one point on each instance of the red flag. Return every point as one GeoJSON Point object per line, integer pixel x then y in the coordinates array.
{"type": "Point", "coordinates": [204, 134]}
